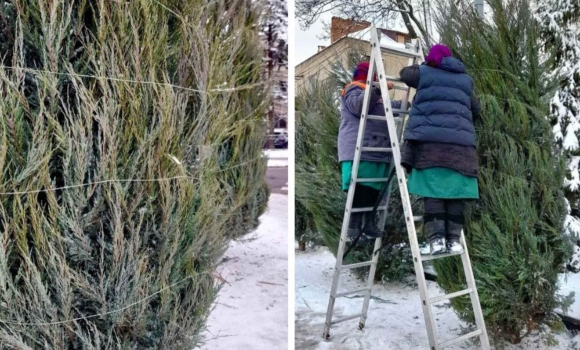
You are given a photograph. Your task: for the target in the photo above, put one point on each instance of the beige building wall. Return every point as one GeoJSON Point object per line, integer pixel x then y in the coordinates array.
{"type": "Point", "coordinates": [318, 66]}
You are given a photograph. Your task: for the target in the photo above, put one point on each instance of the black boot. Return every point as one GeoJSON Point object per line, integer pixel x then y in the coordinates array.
{"type": "Point", "coordinates": [454, 237]}
{"type": "Point", "coordinates": [455, 219]}
{"type": "Point", "coordinates": [435, 231]}
{"type": "Point", "coordinates": [354, 228]}
{"type": "Point", "coordinates": [371, 230]}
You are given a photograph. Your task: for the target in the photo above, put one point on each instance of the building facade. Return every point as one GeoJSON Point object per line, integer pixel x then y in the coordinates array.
{"type": "Point", "coordinates": [346, 37]}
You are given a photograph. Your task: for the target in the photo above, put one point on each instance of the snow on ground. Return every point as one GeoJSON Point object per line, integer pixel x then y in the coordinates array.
{"type": "Point", "coordinates": [395, 318]}
{"type": "Point", "coordinates": [571, 283]}
{"type": "Point", "coordinates": [277, 158]}
{"type": "Point", "coordinates": [252, 308]}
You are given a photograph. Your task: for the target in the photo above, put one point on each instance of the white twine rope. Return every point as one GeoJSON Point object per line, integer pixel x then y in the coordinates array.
{"type": "Point", "coordinates": [96, 183]}
{"type": "Point", "coordinates": [230, 89]}
{"type": "Point", "coordinates": [95, 315]}
{"type": "Point", "coordinates": [243, 87]}
{"type": "Point", "coordinates": [122, 180]}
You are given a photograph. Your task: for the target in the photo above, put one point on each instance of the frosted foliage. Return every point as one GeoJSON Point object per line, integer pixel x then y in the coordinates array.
{"type": "Point", "coordinates": [341, 74]}
{"type": "Point", "coordinates": [274, 31]}
{"type": "Point", "coordinates": [572, 226]}
{"type": "Point", "coordinates": [574, 264]}
{"type": "Point", "coordinates": [573, 181]}
{"type": "Point", "coordinates": [275, 16]}
{"type": "Point", "coordinates": [560, 23]}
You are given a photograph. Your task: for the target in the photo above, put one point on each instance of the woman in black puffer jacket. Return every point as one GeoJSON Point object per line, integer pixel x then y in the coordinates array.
{"type": "Point", "coordinates": [439, 152]}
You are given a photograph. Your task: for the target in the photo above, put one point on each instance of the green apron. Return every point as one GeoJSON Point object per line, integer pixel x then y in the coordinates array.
{"type": "Point", "coordinates": [365, 170]}
{"type": "Point", "coordinates": [442, 183]}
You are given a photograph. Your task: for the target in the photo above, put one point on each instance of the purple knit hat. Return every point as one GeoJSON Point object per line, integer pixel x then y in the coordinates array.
{"type": "Point", "coordinates": [436, 54]}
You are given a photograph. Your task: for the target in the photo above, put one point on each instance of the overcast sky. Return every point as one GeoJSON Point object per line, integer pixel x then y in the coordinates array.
{"type": "Point", "coordinates": [307, 41]}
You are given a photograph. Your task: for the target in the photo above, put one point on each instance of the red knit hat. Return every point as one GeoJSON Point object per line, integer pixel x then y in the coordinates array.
{"type": "Point", "coordinates": [361, 72]}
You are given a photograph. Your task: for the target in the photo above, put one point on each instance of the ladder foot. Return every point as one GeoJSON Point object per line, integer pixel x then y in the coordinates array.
{"type": "Point", "coordinates": [361, 326]}
{"type": "Point", "coordinates": [326, 336]}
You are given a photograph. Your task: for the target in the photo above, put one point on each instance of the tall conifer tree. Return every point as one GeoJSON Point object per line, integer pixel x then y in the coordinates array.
{"type": "Point", "coordinates": [165, 96]}
{"type": "Point", "coordinates": [514, 232]}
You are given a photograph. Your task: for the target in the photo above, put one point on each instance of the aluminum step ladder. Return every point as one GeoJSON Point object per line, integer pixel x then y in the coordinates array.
{"type": "Point", "coordinates": [395, 127]}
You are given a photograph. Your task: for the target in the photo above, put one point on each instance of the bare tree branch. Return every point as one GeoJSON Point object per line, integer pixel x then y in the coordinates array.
{"type": "Point", "coordinates": [375, 11]}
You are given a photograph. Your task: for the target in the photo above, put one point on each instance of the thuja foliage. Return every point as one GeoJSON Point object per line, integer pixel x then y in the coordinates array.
{"type": "Point", "coordinates": [99, 91]}
{"type": "Point", "coordinates": [305, 229]}
{"type": "Point", "coordinates": [318, 178]}
{"type": "Point", "coordinates": [514, 232]}
{"type": "Point", "coordinates": [560, 28]}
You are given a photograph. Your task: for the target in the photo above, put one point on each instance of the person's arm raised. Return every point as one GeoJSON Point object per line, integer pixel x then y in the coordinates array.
{"type": "Point", "coordinates": [410, 76]}
{"type": "Point", "coordinates": [354, 99]}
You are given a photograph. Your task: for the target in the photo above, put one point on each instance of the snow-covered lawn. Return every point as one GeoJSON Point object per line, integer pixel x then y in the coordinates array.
{"type": "Point", "coordinates": [395, 319]}
{"type": "Point", "coordinates": [277, 157]}
{"type": "Point", "coordinates": [252, 308]}
{"type": "Point", "coordinates": [571, 283]}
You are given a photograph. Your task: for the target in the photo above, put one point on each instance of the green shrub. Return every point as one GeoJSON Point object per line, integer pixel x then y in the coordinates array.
{"type": "Point", "coordinates": [94, 91]}
{"type": "Point", "coordinates": [514, 232]}
{"type": "Point", "coordinates": [305, 232]}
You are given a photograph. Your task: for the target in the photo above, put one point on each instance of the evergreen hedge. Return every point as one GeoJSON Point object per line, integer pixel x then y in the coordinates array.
{"type": "Point", "coordinates": [99, 91]}
{"type": "Point", "coordinates": [514, 232]}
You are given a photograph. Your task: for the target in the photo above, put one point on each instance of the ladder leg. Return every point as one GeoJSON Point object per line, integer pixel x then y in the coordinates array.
{"type": "Point", "coordinates": [370, 282]}
{"type": "Point", "coordinates": [377, 247]}
{"type": "Point", "coordinates": [337, 268]}
{"type": "Point", "coordinates": [477, 312]}
{"type": "Point", "coordinates": [347, 210]}
{"type": "Point", "coordinates": [408, 210]}
{"type": "Point", "coordinates": [421, 282]}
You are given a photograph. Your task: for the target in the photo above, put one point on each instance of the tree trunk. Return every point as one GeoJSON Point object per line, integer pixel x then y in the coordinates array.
{"type": "Point", "coordinates": [270, 77]}
{"type": "Point", "coordinates": [409, 18]}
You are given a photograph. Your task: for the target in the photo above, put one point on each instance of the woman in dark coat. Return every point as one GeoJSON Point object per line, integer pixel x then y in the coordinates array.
{"type": "Point", "coordinates": [439, 152]}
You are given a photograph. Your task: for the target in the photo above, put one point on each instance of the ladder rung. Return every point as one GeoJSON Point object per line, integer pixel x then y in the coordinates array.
{"type": "Point", "coordinates": [346, 318]}
{"type": "Point", "coordinates": [364, 209]}
{"type": "Point", "coordinates": [418, 218]}
{"type": "Point", "coordinates": [372, 179]}
{"type": "Point", "coordinates": [343, 294]}
{"type": "Point", "coordinates": [354, 266]}
{"type": "Point", "coordinates": [391, 78]}
{"type": "Point", "coordinates": [400, 111]}
{"type": "Point", "coordinates": [396, 87]}
{"type": "Point", "coordinates": [377, 149]}
{"type": "Point", "coordinates": [439, 256]}
{"type": "Point", "coordinates": [450, 295]}
{"type": "Point", "coordinates": [383, 118]}
{"type": "Point", "coordinates": [460, 339]}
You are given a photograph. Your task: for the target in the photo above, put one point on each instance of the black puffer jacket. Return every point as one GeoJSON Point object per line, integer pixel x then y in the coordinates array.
{"type": "Point", "coordinates": [447, 154]}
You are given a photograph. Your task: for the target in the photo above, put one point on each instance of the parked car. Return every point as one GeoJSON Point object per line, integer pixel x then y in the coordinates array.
{"type": "Point", "coordinates": [280, 139]}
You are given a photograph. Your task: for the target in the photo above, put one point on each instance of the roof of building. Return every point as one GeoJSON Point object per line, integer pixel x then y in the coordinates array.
{"type": "Point", "coordinates": [387, 44]}
{"type": "Point", "coordinates": [386, 41]}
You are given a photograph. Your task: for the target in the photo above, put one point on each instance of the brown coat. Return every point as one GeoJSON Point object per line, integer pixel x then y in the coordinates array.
{"type": "Point", "coordinates": [420, 156]}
